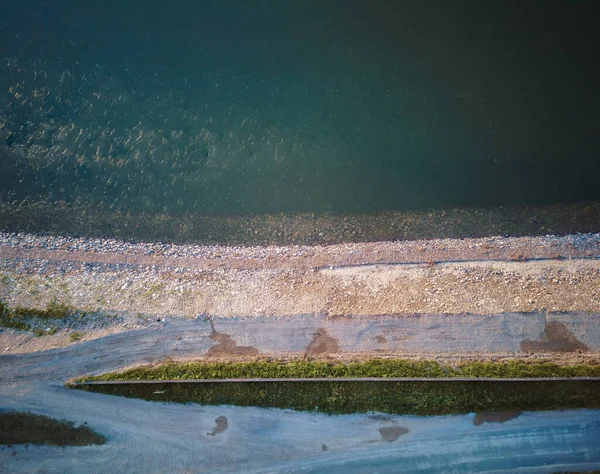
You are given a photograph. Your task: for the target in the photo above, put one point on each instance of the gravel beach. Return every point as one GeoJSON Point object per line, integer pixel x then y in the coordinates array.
{"type": "Point", "coordinates": [125, 285]}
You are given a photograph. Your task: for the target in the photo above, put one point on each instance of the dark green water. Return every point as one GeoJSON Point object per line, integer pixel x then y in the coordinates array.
{"type": "Point", "coordinates": [417, 398]}
{"type": "Point", "coordinates": [237, 107]}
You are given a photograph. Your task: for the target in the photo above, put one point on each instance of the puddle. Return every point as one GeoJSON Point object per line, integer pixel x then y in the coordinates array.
{"type": "Point", "coordinates": [225, 345]}
{"type": "Point", "coordinates": [556, 338]}
{"type": "Point", "coordinates": [323, 343]}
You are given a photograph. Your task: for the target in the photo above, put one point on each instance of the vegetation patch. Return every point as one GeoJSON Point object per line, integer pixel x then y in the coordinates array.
{"type": "Point", "coordinates": [47, 321]}
{"type": "Point", "coordinates": [24, 319]}
{"type": "Point", "coordinates": [381, 368]}
{"type": "Point", "coordinates": [344, 397]}
{"type": "Point", "coordinates": [339, 397]}
{"type": "Point", "coordinates": [27, 428]}
{"type": "Point", "coordinates": [75, 336]}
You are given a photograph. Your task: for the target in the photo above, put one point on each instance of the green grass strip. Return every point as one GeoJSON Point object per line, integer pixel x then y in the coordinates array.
{"type": "Point", "coordinates": [383, 368]}
{"type": "Point", "coordinates": [26, 428]}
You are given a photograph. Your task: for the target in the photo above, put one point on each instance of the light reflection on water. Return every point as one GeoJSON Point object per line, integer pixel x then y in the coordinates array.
{"type": "Point", "coordinates": [145, 436]}
{"type": "Point", "coordinates": [488, 439]}
{"type": "Point", "coordinates": [558, 441]}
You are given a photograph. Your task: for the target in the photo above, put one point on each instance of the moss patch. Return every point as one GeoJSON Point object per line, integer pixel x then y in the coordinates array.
{"type": "Point", "coordinates": [383, 368]}
{"type": "Point", "coordinates": [26, 428]}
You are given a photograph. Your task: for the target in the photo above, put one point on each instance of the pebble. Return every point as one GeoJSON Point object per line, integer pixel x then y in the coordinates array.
{"type": "Point", "coordinates": [104, 273]}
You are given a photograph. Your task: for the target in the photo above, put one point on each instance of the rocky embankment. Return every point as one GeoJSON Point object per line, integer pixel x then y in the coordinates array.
{"type": "Point", "coordinates": [123, 285]}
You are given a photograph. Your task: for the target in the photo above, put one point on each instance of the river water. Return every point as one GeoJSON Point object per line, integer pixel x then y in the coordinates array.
{"type": "Point", "coordinates": [476, 426]}
{"type": "Point", "coordinates": [238, 107]}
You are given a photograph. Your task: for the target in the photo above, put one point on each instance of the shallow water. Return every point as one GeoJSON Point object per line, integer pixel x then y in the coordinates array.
{"type": "Point", "coordinates": [371, 426]}
{"type": "Point", "coordinates": [167, 437]}
{"type": "Point", "coordinates": [255, 107]}
{"type": "Point", "coordinates": [171, 437]}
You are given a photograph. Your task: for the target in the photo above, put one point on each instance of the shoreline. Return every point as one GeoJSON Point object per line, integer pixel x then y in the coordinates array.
{"type": "Point", "coordinates": [300, 228]}
{"type": "Point", "coordinates": [551, 282]}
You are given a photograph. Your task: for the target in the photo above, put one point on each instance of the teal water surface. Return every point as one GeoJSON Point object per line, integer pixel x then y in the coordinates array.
{"type": "Point", "coordinates": [239, 107]}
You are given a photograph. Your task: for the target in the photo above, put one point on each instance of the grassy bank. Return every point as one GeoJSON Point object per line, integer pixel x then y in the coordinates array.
{"type": "Point", "coordinates": [27, 319]}
{"type": "Point", "coordinates": [27, 428]}
{"type": "Point", "coordinates": [416, 398]}
{"type": "Point", "coordinates": [384, 368]}
{"type": "Point", "coordinates": [54, 317]}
